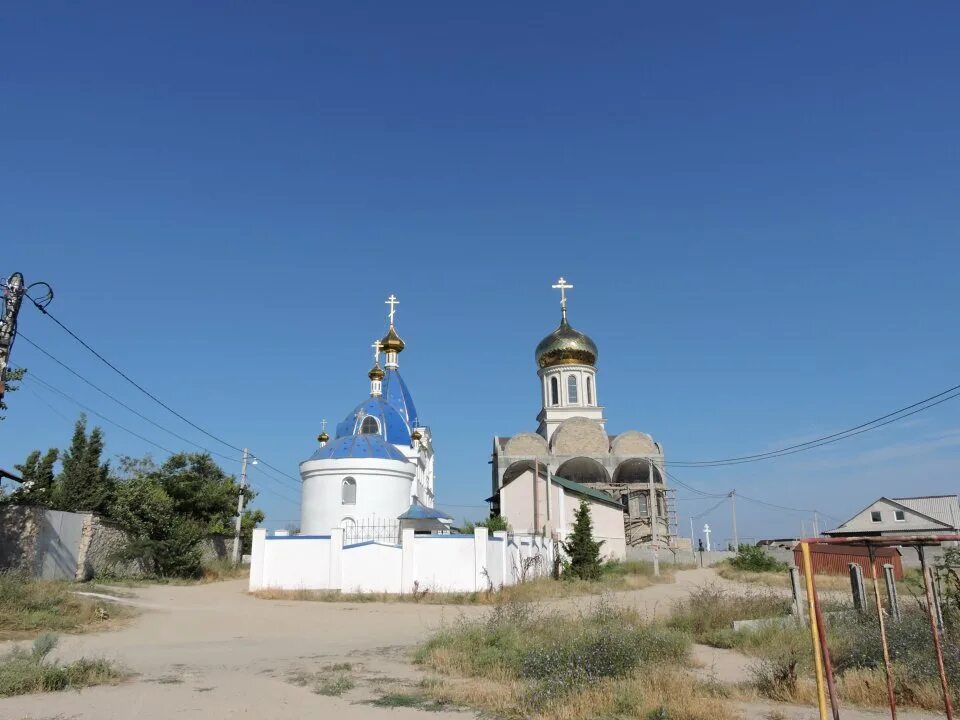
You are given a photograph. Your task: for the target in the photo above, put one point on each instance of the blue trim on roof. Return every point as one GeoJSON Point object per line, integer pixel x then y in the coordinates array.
{"type": "Point", "coordinates": [394, 427]}
{"type": "Point", "coordinates": [298, 537]}
{"type": "Point", "coordinates": [396, 393]}
{"type": "Point", "coordinates": [419, 511]}
{"type": "Point", "coordinates": [358, 446]}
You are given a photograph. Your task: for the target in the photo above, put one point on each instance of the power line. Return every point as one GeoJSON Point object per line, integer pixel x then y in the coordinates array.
{"type": "Point", "coordinates": [130, 380]}
{"type": "Point", "coordinates": [123, 404]}
{"type": "Point", "coordinates": [874, 424]}
{"type": "Point", "coordinates": [33, 377]}
{"type": "Point", "coordinates": [146, 392]}
{"type": "Point", "coordinates": [702, 493]}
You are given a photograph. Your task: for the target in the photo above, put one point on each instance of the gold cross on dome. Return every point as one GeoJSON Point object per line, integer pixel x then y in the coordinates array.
{"type": "Point", "coordinates": [562, 285]}
{"type": "Point", "coordinates": [376, 351]}
{"type": "Point", "coordinates": [392, 301]}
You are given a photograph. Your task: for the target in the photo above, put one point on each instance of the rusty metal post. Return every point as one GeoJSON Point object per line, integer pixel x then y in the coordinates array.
{"type": "Point", "coordinates": [935, 631]}
{"type": "Point", "coordinates": [883, 635]}
{"type": "Point", "coordinates": [893, 599]}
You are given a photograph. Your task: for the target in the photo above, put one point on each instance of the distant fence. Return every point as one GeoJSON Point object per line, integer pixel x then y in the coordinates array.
{"type": "Point", "coordinates": [58, 545]}
{"type": "Point", "coordinates": [439, 563]}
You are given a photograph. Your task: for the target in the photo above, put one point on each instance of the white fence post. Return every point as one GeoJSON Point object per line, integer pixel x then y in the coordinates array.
{"type": "Point", "coordinates": [502, 549]}
{"type": "Point", "coordinates": [257, 550]}
{"type": "Point", "coordinates": [480, 558]}
{"type": "Point", "coordinates": [408, 558]}
{"type": "Point", "coordinates": [336, 559]}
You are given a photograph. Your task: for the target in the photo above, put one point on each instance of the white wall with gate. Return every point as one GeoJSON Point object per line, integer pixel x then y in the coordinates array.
{"type": "Point", "coordinates": [438, 563]}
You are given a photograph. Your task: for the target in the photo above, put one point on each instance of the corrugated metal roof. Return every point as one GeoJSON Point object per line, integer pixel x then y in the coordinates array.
{"type": "Point", "coordinates": [419, 511]}
{"type": "Point", "coordinates": [945, 508]}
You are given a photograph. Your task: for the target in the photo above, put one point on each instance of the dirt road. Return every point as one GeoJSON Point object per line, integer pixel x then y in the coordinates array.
{"type": "Point", "coordinates": [213, 652]}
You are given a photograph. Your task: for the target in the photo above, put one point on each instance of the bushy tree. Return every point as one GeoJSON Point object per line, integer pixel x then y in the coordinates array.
{"type": "Point", "coordinates": [492, 524]}
{"type": "Point", "coordinates": [582, 550]}
{"type": "Point", "coordinates": [84, 483]}
{"type": "Point", "coordinates": [754, 559]}
{"type": "Point", "coordinates": [248, 521]}
{"type": "Point", "coordinates": [11, 383]}
{"type": "Point", "coordinates": [38, 478]}
{"type": "Point", "coordinates": [167, 510]}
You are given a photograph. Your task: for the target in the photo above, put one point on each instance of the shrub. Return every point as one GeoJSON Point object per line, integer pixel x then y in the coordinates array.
{"type": "Point", "coordinates": [710, 609]}
{"type": "Point", "coordinates": [582, 549]}
{"type": "Point", "coordinates": [28, 671]}
{"type": "Point", "coordinates": [754, 559]}
{"type": "Point", "coordinates": [28, 606]}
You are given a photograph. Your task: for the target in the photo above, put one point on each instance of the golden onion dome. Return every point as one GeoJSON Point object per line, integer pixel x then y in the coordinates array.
{"type": "Point", "coordinates": [323, 437]}
{"type": "Point", "coordinates": [391, 341]}
{"type": "Point", "coordinates": [376, 372]}
{"type": "Point", "coordinates": [416, 435]}
{"type": "Point", "coordinates": [566, 346]}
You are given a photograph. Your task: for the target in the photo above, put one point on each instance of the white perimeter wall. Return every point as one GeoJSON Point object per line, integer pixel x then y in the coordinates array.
{"type": "Point", "coordinates": [439, 563]}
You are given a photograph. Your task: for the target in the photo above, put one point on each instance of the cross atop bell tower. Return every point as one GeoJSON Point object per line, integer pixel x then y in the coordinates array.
{"type": "Point", "coordinates": [562, 285]}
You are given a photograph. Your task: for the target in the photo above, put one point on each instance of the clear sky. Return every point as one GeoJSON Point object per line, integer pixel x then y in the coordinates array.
{"type": "Point", "coordinates": [757, 204]}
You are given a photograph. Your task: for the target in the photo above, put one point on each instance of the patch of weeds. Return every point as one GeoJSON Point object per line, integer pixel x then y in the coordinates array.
{"type": "Point", "coordinates": [659, 713]}
{"type": "Point", "coordinates": [334, 686]}
{"type": "Point", "coordinates": [29, 671]}
{"type": "Point", "coordinates": [339, 667]}
{"type": "Point", "coordinates": [170, 680]}
{"type": "Point", "coordinates": [399, 700]}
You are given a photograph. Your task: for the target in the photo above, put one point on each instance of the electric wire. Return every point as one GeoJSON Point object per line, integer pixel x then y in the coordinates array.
{"type": "Point", "coordinates": [121, 373]}
{"type": "Point", "coordinates": [874, 424]}
{"type": "Point", "coordinates": [123, 404]}
{"type": "Point", "coordinates": [33, 377]}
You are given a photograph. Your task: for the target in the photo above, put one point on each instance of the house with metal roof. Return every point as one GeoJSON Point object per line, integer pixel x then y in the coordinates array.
{"type": "Point", "coordinates": [923, 515]}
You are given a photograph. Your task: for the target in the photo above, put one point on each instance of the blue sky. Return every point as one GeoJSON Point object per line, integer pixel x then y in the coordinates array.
{"type": "Point", "coordinates": [756, 203]}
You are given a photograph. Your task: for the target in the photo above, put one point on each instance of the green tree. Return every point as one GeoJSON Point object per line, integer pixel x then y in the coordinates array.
{"type": "Point", "coordinates": [248, 521]}
{"type": "Point", "coordinates": [11, 383]}
{"type": "Point", "coordinates": [492, 524]}
{"type": "Point", "coordinates": [38, 477]}
{"type": "Point", "coordinates": [582, 550]}
{"type": "Point", "coordinates": [167, 510]}
{"type": "Point", "coordinates": [84, 483]}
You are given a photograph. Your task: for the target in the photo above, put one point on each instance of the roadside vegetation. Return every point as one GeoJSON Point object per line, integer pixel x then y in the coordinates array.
{"type": "Point", "coordinates": [165, 510]}
{"type": "Point", "coordinates": [784, 664]}
{"type": "Point", "coordinates": [29, 671]}
{"type": "Point", "coordinates": [522, 661]}
{"type": "Point", "coordinates": [29, 606]}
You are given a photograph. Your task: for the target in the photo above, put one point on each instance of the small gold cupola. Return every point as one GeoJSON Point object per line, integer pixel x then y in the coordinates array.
{"type": "Point", "coordinates": [376, 372]}
{"type": "Point", "coordinates": [391, 343]}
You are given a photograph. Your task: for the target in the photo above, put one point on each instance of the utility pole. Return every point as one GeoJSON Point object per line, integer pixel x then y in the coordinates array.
{"type": "Point", "coordinates": [733, 509]}
{"type": "Point", "coordinates": [12, 296]}
{"type": "Point", "coordinates": [243, 485]}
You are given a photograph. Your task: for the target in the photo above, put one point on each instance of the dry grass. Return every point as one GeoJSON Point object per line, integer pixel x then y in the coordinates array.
{"type": "Point", "coordinates": [616, 577]}
{"type": "Point", "coordinates": [29, 606]}
{"type": "Point", "coordinates": [28, 671]}
{"type": "Point", "coordinates": [667, 692]}
{"type": "Point", "coordinates": [777, 579]}
{"type": "Point", "coordinates": [522, 662]}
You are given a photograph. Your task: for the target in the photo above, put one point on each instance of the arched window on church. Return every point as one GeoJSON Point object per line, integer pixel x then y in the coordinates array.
{"type": "Point", "coordinates": [369, 426]}
{"type": "Point", "coordinates": [349, 491]}
{"type": "Point", "coordinates": [589, 391]}
{"type": "Point", "coordinates": [554, 391]}
{"type": "Point", "coordinates": [572, 389]}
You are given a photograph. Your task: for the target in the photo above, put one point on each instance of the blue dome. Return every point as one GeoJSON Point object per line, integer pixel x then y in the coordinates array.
{"type": "Point", "coordinates": [396, 393]}
{"type": "Point", "coordinates": [358, 446]}
{"type": "Point", "coordinates": [390, 424]}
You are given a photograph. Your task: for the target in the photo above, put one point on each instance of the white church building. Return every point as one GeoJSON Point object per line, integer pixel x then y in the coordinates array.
{"type": "Point", "coordinates": [376, 474]}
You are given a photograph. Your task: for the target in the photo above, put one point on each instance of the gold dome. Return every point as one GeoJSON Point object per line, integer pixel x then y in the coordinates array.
{"type": "Point", "coordinates": [323, 437]}
{"type": "Point", "coordinates": [566, 346]}
{"type": "Point", "coordinates": [416, 435]}
{"type": "Point", "coordinates": [391, 341]}
{"type": "Point", "coordinates": [376, 373]}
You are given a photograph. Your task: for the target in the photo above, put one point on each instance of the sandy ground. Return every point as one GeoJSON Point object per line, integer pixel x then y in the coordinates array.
{"type": "Point", "coordinates": [214, 652]}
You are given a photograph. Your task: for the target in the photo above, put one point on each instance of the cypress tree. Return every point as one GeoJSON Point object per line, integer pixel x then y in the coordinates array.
{"type": "Point", "coordinates": [84, 483]}
{"type": "Point", "coordinates": [38, 477]}
{"type": "Point", "coordinates": [582, 549]}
